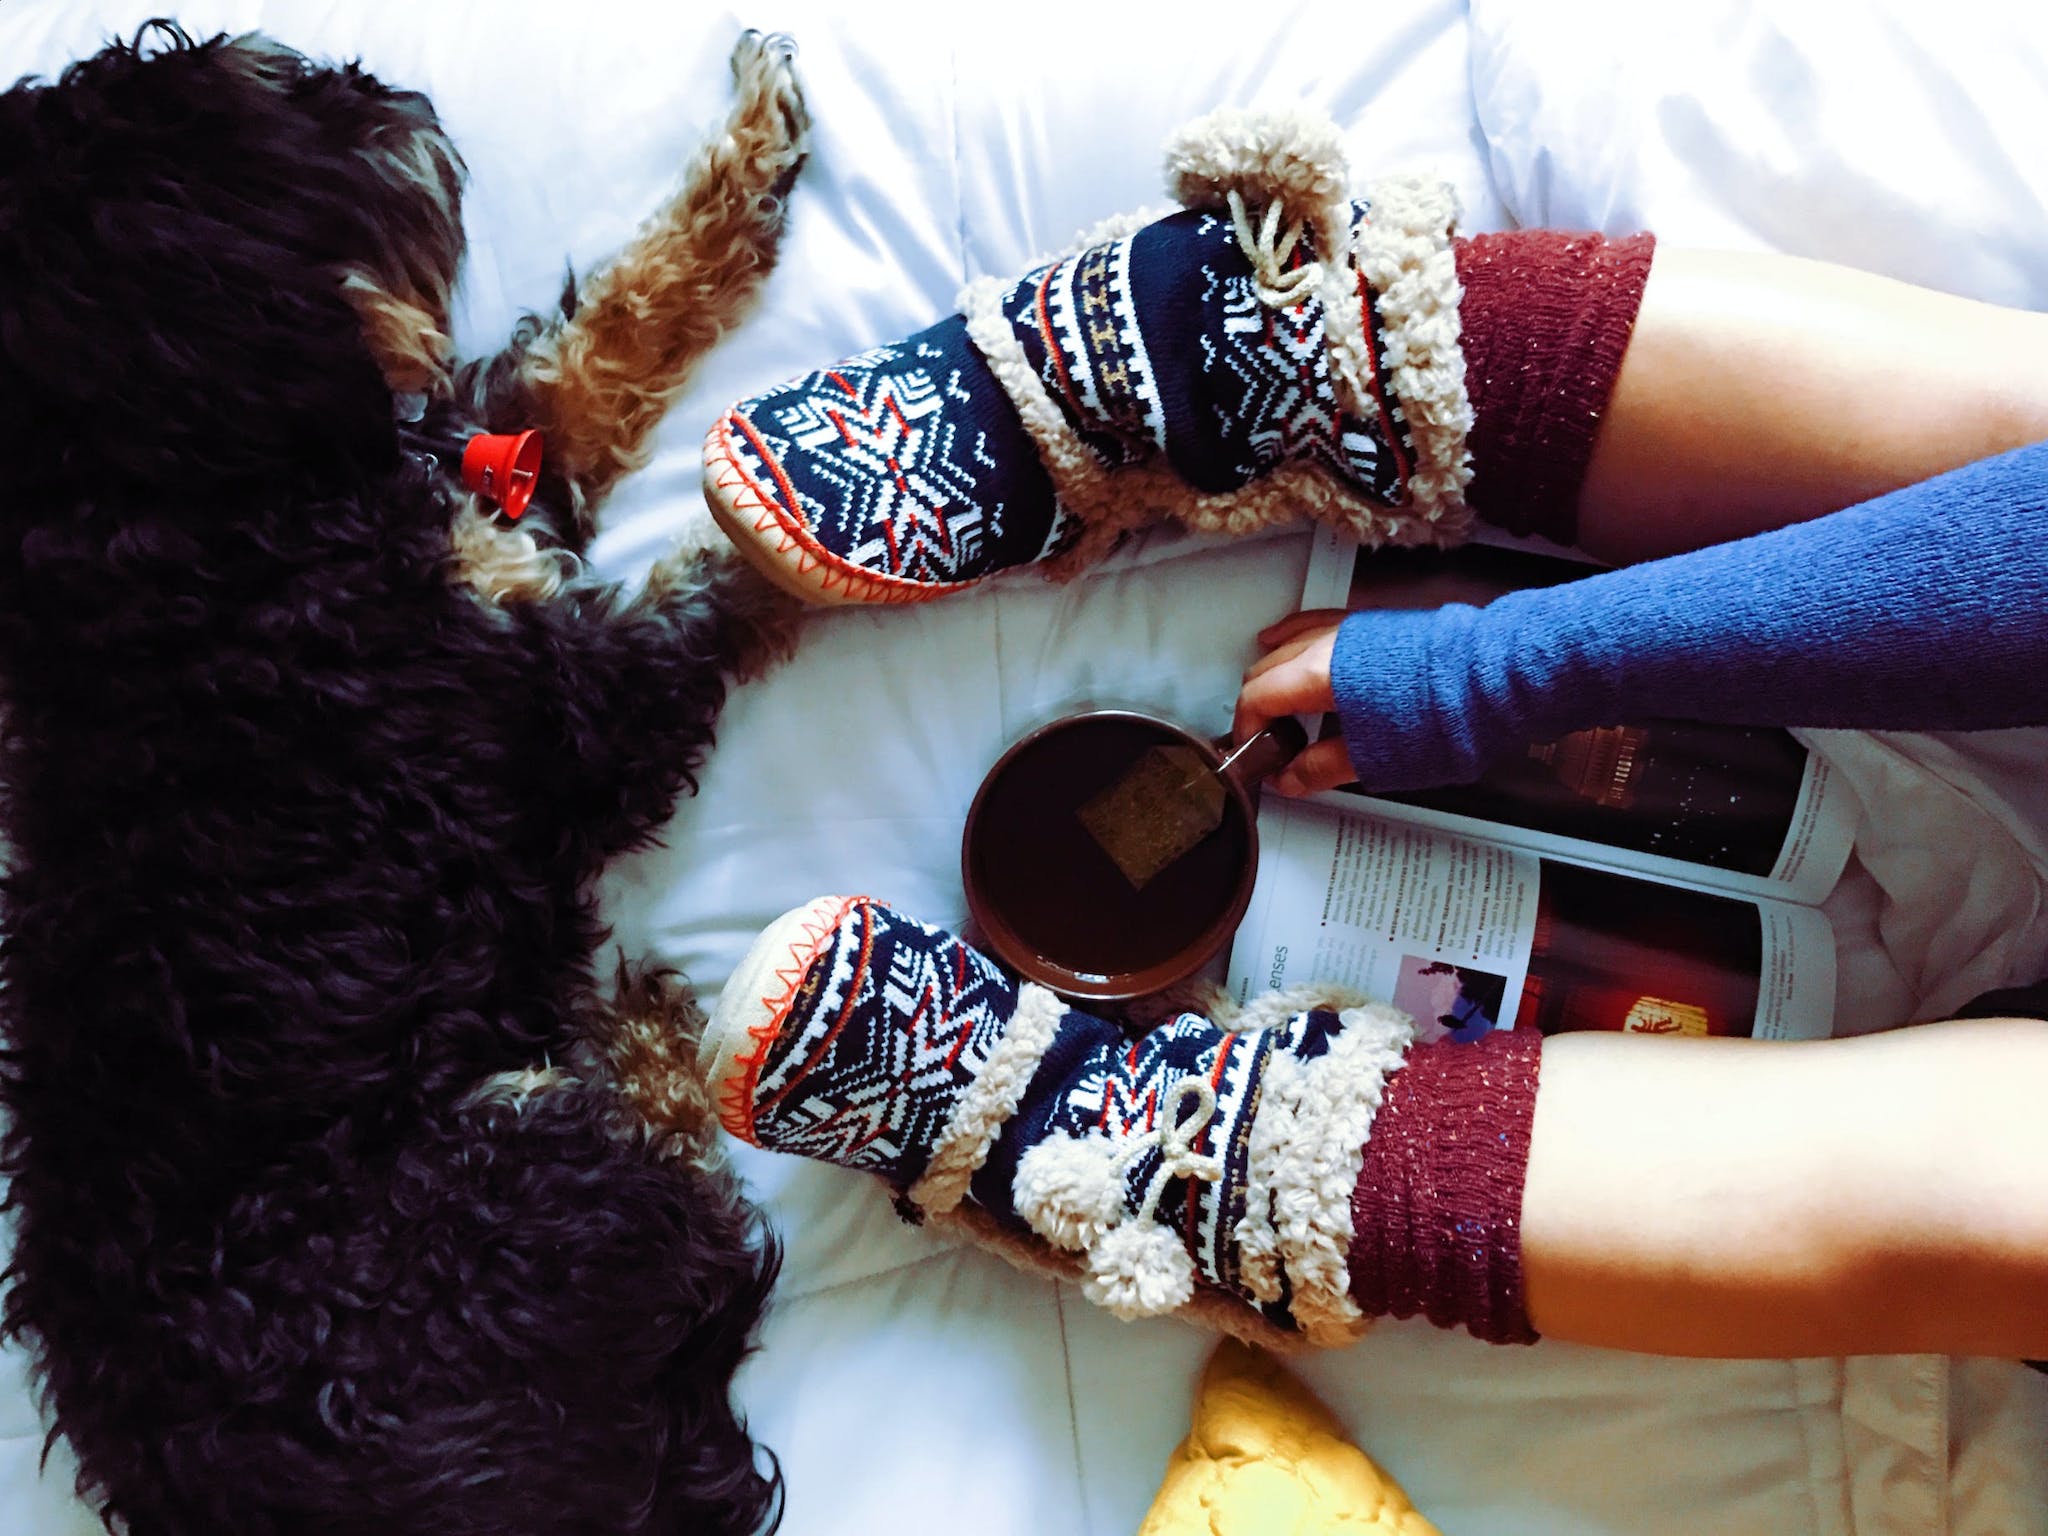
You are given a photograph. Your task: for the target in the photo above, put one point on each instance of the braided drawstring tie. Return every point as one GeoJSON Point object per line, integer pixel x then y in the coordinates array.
{"type": "Point", "coordinates": [1181, 1123]}
{"type": "Point", "coordinates": [1268, 249]}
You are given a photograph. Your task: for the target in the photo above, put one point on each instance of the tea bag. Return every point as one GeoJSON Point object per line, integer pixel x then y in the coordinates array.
{"type": "Point", "coordinates": [1166, 803]}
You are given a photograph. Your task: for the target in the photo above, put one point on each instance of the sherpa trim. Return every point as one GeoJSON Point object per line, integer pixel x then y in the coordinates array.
{"type": "Point", "coordinates": [1295, 156]}
{"type": "Point", "coordinates": [1326, 1108]}
{"type": "Point", "coordinates": [1271, 1010]}
{"type": "Point", "coordinates": [1258, 1243]}
{"type": "Point", "coordinates": [1077, 477]}
{"type": "Point", "coordinates": [986, 1104]}
{"type": "Point", "coordinates": [1403, 252]}
{"type": "Point", "coordinates": [1308, 1143]}
{"type": "Point", "coordinates": [1353, 373]}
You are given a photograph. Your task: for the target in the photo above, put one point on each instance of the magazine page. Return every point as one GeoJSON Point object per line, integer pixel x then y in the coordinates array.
{"type": "Point", "coordinates": [1468, 936]}
{"type": "Point", "coordinates": [1746, 809]}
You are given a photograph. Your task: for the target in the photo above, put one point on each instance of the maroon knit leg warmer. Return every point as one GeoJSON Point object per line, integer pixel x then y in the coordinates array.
{"type": "Point", "coordinates": [1437, 1214]}
{"type": "Point", "coordinates": [1546, 318]}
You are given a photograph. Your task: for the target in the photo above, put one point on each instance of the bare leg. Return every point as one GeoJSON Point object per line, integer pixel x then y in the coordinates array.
{"type": "Point", "coordinates": [1759, 390]}
{"type": "Point", "coordinates": [1738, 1198]}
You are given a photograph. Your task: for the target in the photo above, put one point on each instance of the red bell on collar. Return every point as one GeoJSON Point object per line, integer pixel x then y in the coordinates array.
{"type": "Point", "coordinates": [503, 467]}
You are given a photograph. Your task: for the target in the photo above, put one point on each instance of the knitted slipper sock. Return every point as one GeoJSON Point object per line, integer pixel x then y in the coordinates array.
{"type": "Point", "coordinates": [1545, 319]}
{"type": "Point", "coordinates": [1198, 1157]}
{"type": "Point", "coordinates": [1171, 341]}
{"type": "Point", "coordinates": [897, 475]}
{"type": "Point", "coordinates": [1275, 351]}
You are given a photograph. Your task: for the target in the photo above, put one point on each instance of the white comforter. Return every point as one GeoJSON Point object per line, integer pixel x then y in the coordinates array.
{"type": "Point", "coordinates": [913, 1387]}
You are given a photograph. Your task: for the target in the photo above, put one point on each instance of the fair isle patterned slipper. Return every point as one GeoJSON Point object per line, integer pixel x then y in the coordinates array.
{"type": "Point", "coordinates": [1205, 1164]}
{"type": "Point", "coordinates": [895, 476]}
{"type": "Point", "coordinates": [1273, 352]}
{"type": "Point", "coordinates": [858, 1036]}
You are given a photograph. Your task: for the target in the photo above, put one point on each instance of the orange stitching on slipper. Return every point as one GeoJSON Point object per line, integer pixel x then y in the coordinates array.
{"type": "Point", "coordinates": [736, 1111]}
{"type": "Point", "coordinates": [860, 968]}
{"type": "Point", "coordinates": [863, 586]}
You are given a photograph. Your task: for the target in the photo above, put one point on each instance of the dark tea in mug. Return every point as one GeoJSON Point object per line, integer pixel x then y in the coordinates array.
{"type": "Point", "coordinates": [1053, 904]}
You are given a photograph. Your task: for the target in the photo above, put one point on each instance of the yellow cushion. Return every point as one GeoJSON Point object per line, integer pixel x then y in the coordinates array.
{"type": "Point", "coordinates": [1264, 1458]}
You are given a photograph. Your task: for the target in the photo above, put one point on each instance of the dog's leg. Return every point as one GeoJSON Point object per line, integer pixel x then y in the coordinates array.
{"type": "Point", "coordinates": [598, 379]}
{"type": "Point", "coordinates": [646, 1041]}
{"type": "Point", "coordinates": [636, 684]}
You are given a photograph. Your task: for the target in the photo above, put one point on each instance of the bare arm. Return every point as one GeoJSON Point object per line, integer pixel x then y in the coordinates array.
{"type": "Point", "coordinates": [1737, 1198]}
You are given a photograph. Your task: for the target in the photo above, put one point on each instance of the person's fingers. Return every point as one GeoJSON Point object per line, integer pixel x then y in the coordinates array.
{"type": "Point", "coordinates": [1298, 623]}
{"type": "Point", "coordinates": [1297, 685]}
{"type": "Point", "coordinates": [1323, 766]}
{"type": "Point", "coordinates": [1286, 651]}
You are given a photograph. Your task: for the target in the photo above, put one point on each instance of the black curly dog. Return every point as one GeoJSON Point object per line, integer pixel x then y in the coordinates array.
{"type": "Point", "coordinates": [346, 1200]}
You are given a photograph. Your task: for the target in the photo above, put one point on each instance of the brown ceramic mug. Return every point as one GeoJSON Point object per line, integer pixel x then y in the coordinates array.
{"type": "Point", "coordinates": [1050, 903]}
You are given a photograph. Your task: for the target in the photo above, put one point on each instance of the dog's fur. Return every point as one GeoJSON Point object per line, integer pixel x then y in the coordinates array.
{"type": "Point", "coordinates": [345, 1200]}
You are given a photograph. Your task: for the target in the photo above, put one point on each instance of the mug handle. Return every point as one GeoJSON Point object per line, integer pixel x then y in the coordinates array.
{"type": "Point", "coordinates": [1265, 754]}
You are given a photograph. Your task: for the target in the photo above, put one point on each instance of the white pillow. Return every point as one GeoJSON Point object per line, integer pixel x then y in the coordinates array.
{"type": "Point", "coordinates": [1886, 134]}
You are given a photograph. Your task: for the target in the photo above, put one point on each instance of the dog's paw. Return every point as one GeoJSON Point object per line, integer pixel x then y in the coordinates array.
{"type": "Point", "coordinates": [764, 78]}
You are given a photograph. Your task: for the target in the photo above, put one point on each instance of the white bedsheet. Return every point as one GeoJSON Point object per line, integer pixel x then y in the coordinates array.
{"type": "Point", "coordinates": [914, 1387]}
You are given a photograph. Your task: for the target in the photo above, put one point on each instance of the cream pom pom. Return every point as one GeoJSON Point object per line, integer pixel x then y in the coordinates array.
{"type": "Point", "coordinates": [1070, 1189]}
{"type": "Point", "coordinates": [1292, 154]}
{"type": "Point", "coordinates": [1139, 1269]}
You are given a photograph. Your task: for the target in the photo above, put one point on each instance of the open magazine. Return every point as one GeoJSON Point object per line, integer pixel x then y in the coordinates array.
{"type": "Point", "coordinates": [1658, 877]}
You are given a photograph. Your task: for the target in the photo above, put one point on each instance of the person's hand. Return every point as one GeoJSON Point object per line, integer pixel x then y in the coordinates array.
{"type": "Point", "coordinates": [1293, 678]}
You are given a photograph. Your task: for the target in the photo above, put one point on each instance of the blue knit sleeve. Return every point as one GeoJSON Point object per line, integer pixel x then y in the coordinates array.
{"type": "Point", "coordinates": [1926, 609]}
